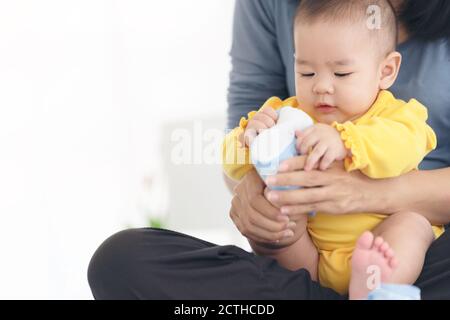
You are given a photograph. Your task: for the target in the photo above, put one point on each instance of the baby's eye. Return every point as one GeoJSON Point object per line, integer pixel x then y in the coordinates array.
{"type": "Point", "coordinates": [337, 74]}
{"type": "Point", "coordinates": [307, 74]}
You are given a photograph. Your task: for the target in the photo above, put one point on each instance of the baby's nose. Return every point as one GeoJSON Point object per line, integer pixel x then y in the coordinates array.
{"type": "Point", "coordinates": [323, 87]}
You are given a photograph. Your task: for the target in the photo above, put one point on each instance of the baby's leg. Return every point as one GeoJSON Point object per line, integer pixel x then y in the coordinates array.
{"type": "Point", "coordinates": [406, 235]}
{"type": "Point", "coordinates": [409, 234]}
{"type": "Point", "coordinates": [301, 253]}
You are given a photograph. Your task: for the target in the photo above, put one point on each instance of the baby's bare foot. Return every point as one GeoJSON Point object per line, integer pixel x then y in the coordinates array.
{"type": "Point", "coordinates": [373, 262]}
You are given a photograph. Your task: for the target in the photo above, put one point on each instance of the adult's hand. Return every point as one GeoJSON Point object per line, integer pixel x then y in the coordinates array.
{"type": "Point", "coordinates": [333, 191]}
{"type": "Point", "coordinates": [255, 217]}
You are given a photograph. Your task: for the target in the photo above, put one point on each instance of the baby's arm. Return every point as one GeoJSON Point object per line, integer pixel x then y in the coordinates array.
{"type": "Point", "coordinates": [265, 118]}
{"type": "Point", "coordinates": [388, 144]}
{"type": "Point", "coordinates": [325, 144]}
{"type": "Point", "coordinates": [235, 151]}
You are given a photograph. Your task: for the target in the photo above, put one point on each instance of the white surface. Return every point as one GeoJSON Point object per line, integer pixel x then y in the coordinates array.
{"type": "Point", "coordinates": [82, 89]}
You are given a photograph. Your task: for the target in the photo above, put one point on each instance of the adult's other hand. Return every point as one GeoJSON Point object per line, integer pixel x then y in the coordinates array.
{"type": "Point", "coordinates": [255, 217]}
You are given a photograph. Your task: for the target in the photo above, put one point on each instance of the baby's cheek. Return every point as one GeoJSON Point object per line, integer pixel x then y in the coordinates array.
{"type": "Point", "coordinates": [351, 110]}
{"type": "Point", "coordinates": [360, 100]}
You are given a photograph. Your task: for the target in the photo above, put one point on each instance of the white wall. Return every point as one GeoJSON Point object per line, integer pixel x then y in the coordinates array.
{"type": "Point", "coordinates": [85, 88]}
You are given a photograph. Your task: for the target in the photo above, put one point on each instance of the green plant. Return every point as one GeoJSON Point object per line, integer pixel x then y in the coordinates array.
{"type": "Point", "coordinates": [156, 223]}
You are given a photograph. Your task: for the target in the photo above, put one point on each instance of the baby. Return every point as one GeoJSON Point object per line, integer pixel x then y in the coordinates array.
{"type": "Point", "coordinates": [345, 60]}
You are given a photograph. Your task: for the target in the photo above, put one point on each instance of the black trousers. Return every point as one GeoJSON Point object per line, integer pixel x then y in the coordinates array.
{"type": "Point", "coordinates": [162, 264]}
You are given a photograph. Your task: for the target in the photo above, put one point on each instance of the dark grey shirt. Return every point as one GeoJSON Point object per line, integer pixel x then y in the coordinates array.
{"type": "Point", "coordinates": [262, 56]}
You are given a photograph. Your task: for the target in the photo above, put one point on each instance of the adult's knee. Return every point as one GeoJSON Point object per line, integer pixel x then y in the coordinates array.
{"type": "Point", "coordinates": [110, 263]}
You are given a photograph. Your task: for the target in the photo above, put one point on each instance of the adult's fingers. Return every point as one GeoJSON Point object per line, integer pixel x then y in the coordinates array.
{"type": "Point", "coordinates": [292, 164]}
{"type": "Point", "coordinates": [263, 213]}
{"type": "Point", "coordinates": [268, 212]}
{"type": "Point", "coordinates": [301, 178]}
{"type": "Point", "coordinates": [255, 232]}
{"type": "Point", "coordinates": [295, 211]}
{"type": "Point", "coordinates": [239, 225]}
{"type": "Point", "coordinates": [254, 223]}
{"type": "Point", "coordinates": [300, 196]}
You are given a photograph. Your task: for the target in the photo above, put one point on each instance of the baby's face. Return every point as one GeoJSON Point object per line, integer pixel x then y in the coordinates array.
{"type": "Point", "coordinates": [337, 71]}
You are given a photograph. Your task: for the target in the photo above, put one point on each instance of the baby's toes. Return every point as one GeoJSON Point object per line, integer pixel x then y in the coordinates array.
{"type": "Point", "coordinates": [389, 253]}
{"type": "Point", "coordinates": [393, 262]}
{"type": "Point", "coordinates": [384, 247]}
{"type": "Point", "coordinates": [377, 242]}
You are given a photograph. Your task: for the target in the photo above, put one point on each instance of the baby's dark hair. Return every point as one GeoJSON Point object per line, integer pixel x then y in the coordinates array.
{"type": "Point", "coordinates": [378, 16]}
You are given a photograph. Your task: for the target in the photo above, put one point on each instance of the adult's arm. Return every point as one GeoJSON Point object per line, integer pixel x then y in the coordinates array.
{"type": "Point", "coordinates": [257, 69]}
{"type": "Point", "coordinates": [426, 192]}
{"type": "Point", "coordinates": [257, 73]}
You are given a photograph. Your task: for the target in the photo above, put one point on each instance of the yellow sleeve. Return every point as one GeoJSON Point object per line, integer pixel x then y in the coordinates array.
{"type": "Point", "coordinates": [236, 157]}
{"type": "Point", "coordinates": [392, 142]}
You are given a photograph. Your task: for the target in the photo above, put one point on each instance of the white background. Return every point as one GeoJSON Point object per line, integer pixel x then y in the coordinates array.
{"type": "Point", "coordinates": [85, 88]}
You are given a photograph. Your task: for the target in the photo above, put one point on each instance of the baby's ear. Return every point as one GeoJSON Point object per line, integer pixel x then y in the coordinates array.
{"type": "Point", "coordinates": [389, 69]}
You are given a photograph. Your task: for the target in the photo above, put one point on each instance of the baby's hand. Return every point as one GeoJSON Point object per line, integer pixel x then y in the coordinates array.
{"type": "Point", "coordinates": [263, 119]}
{"type": "Point", "coordinates": [326, 143]}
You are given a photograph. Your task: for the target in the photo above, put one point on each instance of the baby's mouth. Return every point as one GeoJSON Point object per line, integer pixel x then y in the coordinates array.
{"type": "Point", "coordinates": [325, 108]}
